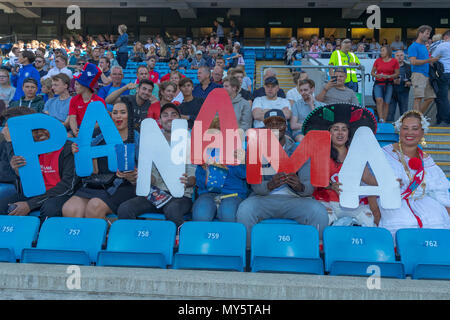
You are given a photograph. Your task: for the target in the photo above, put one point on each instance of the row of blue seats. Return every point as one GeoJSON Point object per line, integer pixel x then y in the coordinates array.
{"type": "Point", "coordinates": [261, 53]}
{"type": "Point", "coordinates": [424, 253]}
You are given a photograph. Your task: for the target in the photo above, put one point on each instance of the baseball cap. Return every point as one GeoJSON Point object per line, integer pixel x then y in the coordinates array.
{"type": "Point", "coordinates": [274, 113]}
{"type": "Point", "coordinates": [271, 80]}
{"type": "Point", "coordinates": [170, 105]}
{"type": "Point", "coordinates": [199, 52]}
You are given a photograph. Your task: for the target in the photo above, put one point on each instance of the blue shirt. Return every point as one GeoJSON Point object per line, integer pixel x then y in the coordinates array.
{"type": "Point", "coordinates": [420, 52]}
{"type": "Point", "coordinates": [57, 108]}
{"type": "Point", "coordinates": [28, 71]}
{"type": "Point", "coordinates": [122, 43]}
{"type": "Point", "coordinates": [200, 93]}
{"type": "Point", "coordinates": [105, 91]}
{"type": "Point", "coordinates": [443, 50]}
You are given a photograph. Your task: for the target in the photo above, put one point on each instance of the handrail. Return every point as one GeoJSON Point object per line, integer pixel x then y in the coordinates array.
{"type": "Point", "coordinates": [358, 67]}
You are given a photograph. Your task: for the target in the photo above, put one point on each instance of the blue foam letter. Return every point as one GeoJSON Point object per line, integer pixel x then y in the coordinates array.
{"type": "Point", "coordinates": [20, 129]}
{"type": "Point", "coordinates": [96, 112]}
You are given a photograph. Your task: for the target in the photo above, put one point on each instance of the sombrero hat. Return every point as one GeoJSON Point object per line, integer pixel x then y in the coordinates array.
{"type": "Point", "coordinates": [322, 118]}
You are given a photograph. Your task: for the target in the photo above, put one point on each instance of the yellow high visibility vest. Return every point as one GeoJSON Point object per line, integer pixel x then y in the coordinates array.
{"type": "Point", "coordinates": [341, 59]}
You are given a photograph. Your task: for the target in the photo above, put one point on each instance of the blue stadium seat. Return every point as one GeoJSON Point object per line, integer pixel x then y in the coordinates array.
{"type": "Point", "coordinates": [279, 54]}
{"type": "Point", "coordinates": [278, 221]}
{"type": "Point", "coordinates": [211, 245]}
{"type": "Point", "coordinates": [139, 243]}
{"type": "Point", "coordinates": [161, 216]}
{"type": "Point", "coordinates": [259, 53]}
{"type": "Point", "coordinates": [386, 134]}
{"type": "Point", "coordinates": [270, 54]}
{"type": "Point", "coordinates": [285, 248]}
{"type": "Point", "coordinates": [425, 252]}
{"type": "Point", "coordinates": [351, 250]}
{"type": "Point", "coordinates": [68, 241]}
{"type": "Point", "coordinates": [16, 234]}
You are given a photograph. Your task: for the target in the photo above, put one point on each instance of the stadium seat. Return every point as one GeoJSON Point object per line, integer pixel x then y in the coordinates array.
{"type": "Point", "coordinates": [352, 250]}
{"type": "Point", "coordinates": [16, 234]}
{"type": "Point", "coordinates": [139, 243]}
{"type": "Point", "coordinates": [386, 134]}
{"type": "Point", "coordinates": [161, 216]}
{"type": "Point", "coordinates": [425, 252]}
{"type": "Point", "coordinates": [285, 248]}
{"type": "Point", "coordinates": [211, 245]}
{"type": "Point", "coordinates": [270, 54]}
{"type": "Point", "coordinates": [259, 53]}
{"type": "Point", "coordinates": [68, 241]}
{"type": "Point", "coordinates": [279, 221]}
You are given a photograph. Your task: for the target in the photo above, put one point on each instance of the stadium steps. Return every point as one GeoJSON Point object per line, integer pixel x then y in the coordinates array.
{"type": "Point", "coordinates": [438, 146]}
{"type": "Point", "coordinates": [284, 76]}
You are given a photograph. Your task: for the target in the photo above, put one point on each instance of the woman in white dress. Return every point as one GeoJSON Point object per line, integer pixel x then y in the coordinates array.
{"type": "Point", "coordinates": [424, 186]}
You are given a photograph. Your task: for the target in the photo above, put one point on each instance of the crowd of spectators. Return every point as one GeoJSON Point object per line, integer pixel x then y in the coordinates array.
{"type": "Point", "coordinates": [62, 80]}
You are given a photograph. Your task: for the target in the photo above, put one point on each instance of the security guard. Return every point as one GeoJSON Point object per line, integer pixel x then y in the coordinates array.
{"type": "Point", "coordinates": [344, 57]}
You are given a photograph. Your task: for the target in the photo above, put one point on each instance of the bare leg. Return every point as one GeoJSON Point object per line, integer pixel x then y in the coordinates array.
{"type": "Point", "coordinates": [96, 208]}
{"type": "Point", "coordinates": [75, 207]}
{"type": "Point", "coordinates": [416, 105]}
{"type": "Point", "coordinates": [380, 110]}
{"type": "Point", "coordinates": [425, 105]}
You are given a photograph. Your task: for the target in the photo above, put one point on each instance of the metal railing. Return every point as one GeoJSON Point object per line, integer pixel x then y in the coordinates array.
{"type": "Point", "coordinates": [321, 68]}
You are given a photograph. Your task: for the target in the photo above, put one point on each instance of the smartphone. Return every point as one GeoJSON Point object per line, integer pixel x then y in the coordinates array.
{"type": "Point", "coordinates": [334, 79]}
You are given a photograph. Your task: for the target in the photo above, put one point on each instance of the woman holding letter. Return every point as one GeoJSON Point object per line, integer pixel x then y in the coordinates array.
{"type": "Point", "coordinates": [104, 191]}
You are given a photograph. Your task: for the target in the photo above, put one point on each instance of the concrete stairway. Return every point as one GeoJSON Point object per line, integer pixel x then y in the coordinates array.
{"type": "Point", "coordinates": [284, 76]}
{"type": "Point", "coordinates": [438, 146]}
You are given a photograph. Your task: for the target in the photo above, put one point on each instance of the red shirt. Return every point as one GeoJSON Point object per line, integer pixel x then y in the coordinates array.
{"type": "Point", "coordinates": [50, 168]}
{"type": "Point", "coordinates": [77, 106]}
{"type": "Point", "coordinates": [166, 77]}
{"type": "Point", "coordinates": [386, 68]}
{"type": "Point", "coordinates": [154, 76]}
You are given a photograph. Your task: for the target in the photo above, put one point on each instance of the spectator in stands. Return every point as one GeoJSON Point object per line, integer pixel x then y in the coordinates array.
{"type": "Point", "coordinates": [242, 107]}
{"type": "Point", "coordinates": [374, 47]}
{"type": "Point", "coordinates": [262, 105]}
{"type": "Point", "coordinates": [344, 57]}
{"type": "Point", "coordinates": [6, 90]}
{"type": "Point", "coordinates": [239, 74]}
{"type": "Point", "coordinates": [116, 84]}
{"type": "Point", "coordinates": [175, 77]}
{"type": "Point", "coordinates": [190, 107]}
{"type": "Point", "coordinates": [26, 59]}
{"type": "Point", "coordinates": [397, 44]}
{"type": "Point", "coordinates": [149, 44]}
{"type": "Point", "coordinates": [293, 190]}
{"type": "Point", "coordinates": [142, 73]}
{"type": "Point", "coordinates": [95, 57]}
{"type": "Point", "coordinates": [218, 29]}
{"type": "Point", "coordinates": [73, 59]}
{"type": "Point", "coordinates": [58, 107]}
{"type": "Point", "coordinates": [112, 59]}
{"type": "Point", "coordinates": [30, 98]}
{"type": "Point", "coordinates": [138, 53]}
{"type": "Point", "coordinates": [58, 170]}
{"type": "Point", "coordinates": [140, 101]}
{"type": "Point", "coordinates": [121, 46]}
{"type": "Point", "coordinates": [182, 61]}
{"type": "Point", "coordinates": [335, 91]}
{"type": "Point", "coordinates": [326, 53]}
{"type": "Point", "coordinates": [294, 94]}
{"type": "Point", "coordinates": [105, 67]}
{"type": "Point", "coordinates": [221, 188]}
{"type": "Point", "coordinates": [176, 208]}
{"type": "Point", "coordinates": [342, 127]}
{"type": "Point", "coordinates": [420, 65]}
{"type": "Point", "coordinates": [443, 52]}
{"type": "Point", "coordinates": [385, 69]}
{"type": "Point", "coordinates": [402, 84]}
{"type": "Point", "coordinates": [46, 89]}
{"type": "Point", "coordinates": [217, 75]}
{"type": "Point", "coordinates": [153, 75]}
{"type": "Point", "coordinates": [39, 64]}
{"type": "Point", "coordinates": [173, 66]}
{"type": "Point", "coordinates": [167, 91]}
{"type": "Point", "coordinates": [303, 107]}
{"type": "Point", "coordinates": [205, 86]}
{"type": "Point", "coordinates": [198, 61]}
{"type": "Point", "coordinates": [13, 57]}
{"type": "Point", "coordinates": [424, 186]}
{"type": "Point", "coordinates": [103, 191]}
{"type": "Point", "coordinates": [361, 51]}
{"type": "Point", "coordinates": [60, 67]}
{"type": "Point", "coordinates": [268, 73]}
{"type": "Point", "coordinates": [84, 87]}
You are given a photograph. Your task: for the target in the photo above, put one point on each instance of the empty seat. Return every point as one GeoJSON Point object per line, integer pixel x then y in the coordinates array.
{"type": "Point", "coordinates": [285, 248]}
{"type": "Point", "coordinates": [355, 250]}
{"type": "Point", "coordinates": [211, 245]}
{"type": "Point", "coordinates": [282, 221]}
{"type": "Point", "coordinates": [425, 252]}
{"type": "Point", "coordinates": [16, 234]}
{"type": "Point", "coordinates": [386, 134]}
{"type": "Point", "coordinates": [68, 241]}
{"type": "Point", "coordinates": [139, 243]}
{"type": "Point", "coordinates": [161, 216]}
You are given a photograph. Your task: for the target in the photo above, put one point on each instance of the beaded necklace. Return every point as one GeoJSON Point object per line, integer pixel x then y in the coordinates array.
{"type": "Point", "coordinates": [408, 172]}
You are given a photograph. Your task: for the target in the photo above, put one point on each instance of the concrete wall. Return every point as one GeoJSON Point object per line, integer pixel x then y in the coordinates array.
{"type": "Point", "coordinates": [32, 281]}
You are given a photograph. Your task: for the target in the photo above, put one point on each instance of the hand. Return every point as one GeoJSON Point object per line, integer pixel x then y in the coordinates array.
{"type": "Point", "coordinates": [294, 182]}
{"type": "Point", "coordinates": [434, 59]}
{"type": "Point", "coordinates": [131, 86]}
{"type": "Point", "coordinates": [17, 162]}
{"type": "Point", "coordinates": [397, 81]}
{"type": "Point", "coordinates": [74, 148]}
{"type": "Point", "coordinates": [277, 180]}
{"type": "Point", "coordinates": [130, 176]}
{"type": "Point", "coordinates": [329, 85]}
{"type": "Point", "coordinates": [187, 181]}
{"type": "Point", "coordinates": [408, 84]}
{"type": "Point", "coordinates": [6, 134]}
{"type": "Point", "coordinates": [75, 132]}
{"type": "Point", "coordinates": [336, 186]}
{"type": "Point", "coordinates": [376, 215]}
{"type": "Point", "coordinates": [22, 209]}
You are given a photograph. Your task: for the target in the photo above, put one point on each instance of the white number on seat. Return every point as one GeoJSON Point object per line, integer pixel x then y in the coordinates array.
{"type": "Point", "coordinates": [284, 238]}
{"type": "Point", "coordinates": [143, 233]}
{"type": "Point", "coordinates": [431, 243]}
{"type": "Point", "coordinates": [213, 235]}
{"type": "Point", "coordinates": [357, 241]}
{"type": "Point", "coordinates": [74, 232]}
{"type": "Point", "coordinates": [7, 228]}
